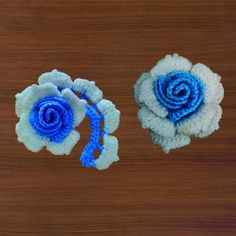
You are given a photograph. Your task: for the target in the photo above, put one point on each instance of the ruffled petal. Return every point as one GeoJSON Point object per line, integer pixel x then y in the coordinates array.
{"type": "Point", "coordinates": [220, 94]}
{"type": "Point", "coordinates": [21, 100]}
{"type": "Point", "coordinates": [88, 89]}
{"type": "Point", "coordinates": [27, 135]}
{"type": "Point", "coordinates": [147, 96]}
{"type": "Point", "coordinates": [60, 79]}
{"type": "Point", "coordinates": [111, 115]}
{"type": "Point", "coordinates": [214, 91]}
{"type": "Point", "coordinates": [78, 105]}
{"type": "Point", "coordinates": [171, 63]}
{"type": "Point", "coordinates": [199, 122]}
{"type": "Point", "coordinates": [109, 153]}
{"type": "Point", "coordinates": [143, 77]}
{"type": "Point", "coordinates": [149, 120]}
{"type": "Point", "coordinates": [214, 125]}
{"type": "Point", "coordinates": [168, 143]}
{"type": "Point", "coordinates": [65, 147]}
{"type": "Point", "coordinates": [27, 98]}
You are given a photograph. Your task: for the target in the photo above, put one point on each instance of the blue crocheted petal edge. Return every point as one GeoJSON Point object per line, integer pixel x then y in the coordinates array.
{"type": "Point", "coordinates": [60, 79]}
{"type": "Point", "coordinates": [29, 96]}
{"type": "Point", "coordinates": [88, 89]}
{"type": "Point", "coordinates": [110, 114]}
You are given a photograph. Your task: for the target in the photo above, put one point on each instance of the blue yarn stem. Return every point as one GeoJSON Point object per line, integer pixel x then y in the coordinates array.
{"type": "Point", "coordinates": [87, 157]}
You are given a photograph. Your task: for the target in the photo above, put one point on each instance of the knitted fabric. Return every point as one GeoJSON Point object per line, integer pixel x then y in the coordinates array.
{"type": "Point", "coordinates": [50, 111]}
{"type": "Point", "coordinates": [178, 100]}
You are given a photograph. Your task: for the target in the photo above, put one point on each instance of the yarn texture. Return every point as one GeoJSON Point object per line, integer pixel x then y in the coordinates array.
{"type": "Point", "coordinates": [178, 100]}
{"type": "Point", "coordinates": [50, 111]}
{"type": "Point", "coordinates": [52, 117]}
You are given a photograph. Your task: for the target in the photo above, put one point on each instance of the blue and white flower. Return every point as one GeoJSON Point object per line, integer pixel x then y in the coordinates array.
{"type": "Point", "coordinates": [50, 111]}
{"type": "Point", "coordinates": [178, 100]}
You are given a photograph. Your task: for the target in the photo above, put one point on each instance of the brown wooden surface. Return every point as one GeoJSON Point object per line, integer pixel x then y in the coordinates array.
{"type": "Point", "coordinates": [191, 191]}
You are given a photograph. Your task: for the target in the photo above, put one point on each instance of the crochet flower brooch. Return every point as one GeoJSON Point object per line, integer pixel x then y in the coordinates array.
{"type": "Point", "coordinates": [50, 111]}
{"type": "Point", "coordinates": [178, 100]}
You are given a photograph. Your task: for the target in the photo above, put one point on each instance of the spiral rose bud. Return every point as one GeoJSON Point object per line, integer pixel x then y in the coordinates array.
{"type": "Point", "coordinates": [52, 118]}
{"type": "Point", "coordinates": [180, 92]}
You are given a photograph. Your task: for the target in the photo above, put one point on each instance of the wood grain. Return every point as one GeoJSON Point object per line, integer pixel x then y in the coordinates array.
{"type": "Point", "coordinates": [191, 191]}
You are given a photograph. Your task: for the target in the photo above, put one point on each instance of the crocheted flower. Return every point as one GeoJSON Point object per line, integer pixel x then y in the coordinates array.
{"type": "Point", "coordinates": [178, 100]}
{"type": "Point", "coordinates": [48, 115]}
{"type": "Point", "coordinates": [50, 111]}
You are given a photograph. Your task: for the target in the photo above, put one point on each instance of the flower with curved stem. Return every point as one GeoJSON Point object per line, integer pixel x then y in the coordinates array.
{"type": "Point", "coordinates": [50, 111]}
{"type": "Point", "coordinates": [178, 100]}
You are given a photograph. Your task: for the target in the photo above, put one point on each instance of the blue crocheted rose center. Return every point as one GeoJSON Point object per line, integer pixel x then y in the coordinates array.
{"type": "Point", "coordinates": [180, 92]}
{"type": "Point", "coordinates": [52, 117]}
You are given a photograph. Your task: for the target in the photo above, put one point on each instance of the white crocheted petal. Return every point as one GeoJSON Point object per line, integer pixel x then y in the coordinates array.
{"type": "Point", "coordinates": [143, 77]}
{"type": "Point", "coordinates": [171, 63]}
{"type": "Point", "coordinates": [111, 115]}
{"type": "Point", "coordinates": [168, 143]}
{"type": "Point", "coordinates": [214, 125]}
{"type": "Point", "coordinates": [109, 153]}
{"type": "Point", "coordinates": [27, 98]}
{"type": "Point", "coordinates": [150, 121]}
{"type": "Point", "coordinates": [27, 135]}
{"type": "Point", "coordinates": [65, 147]}
{"type": "Point", "coordinates": [214, 91]}
{"type": "Point", "coordinates": [89, 89]}
{"type": "Point", "coordinates": [147, 96]}
{"type": "Point", "coordinates": [220, 94]}
{"type": "Point", "coordinates": [60, 79]}
{"type": "Point", "coordinates": [21, 100]}
{"type": "Point", "coordinates": [78, 105]}
{"type": "Point", "coordinates": [199, 121]}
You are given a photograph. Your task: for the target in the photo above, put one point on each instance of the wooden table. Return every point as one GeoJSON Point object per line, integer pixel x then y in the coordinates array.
{"type": "Point", "coordinates": [191, 191]}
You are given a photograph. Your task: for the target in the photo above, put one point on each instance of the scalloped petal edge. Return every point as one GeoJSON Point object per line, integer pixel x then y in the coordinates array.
{"type": "Point", "coordinates": [170, 63]}
{"type": "Point", "coordinates": [149, 120]}
{"type": "Point", "coordinates": [168, 143]}
{"type": "Point", "coordinates": [60, 79]}
{"type": "Point", "coordinates": [111, 115]}
{"type": "Point", "coordinates": [109, 153]}
{"type": "Point", "coordinates": [147, 97]}
{"type": "Point", "coordinates": [27, 98]}
{"type": "Point", "coordinates": [88, 88]}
